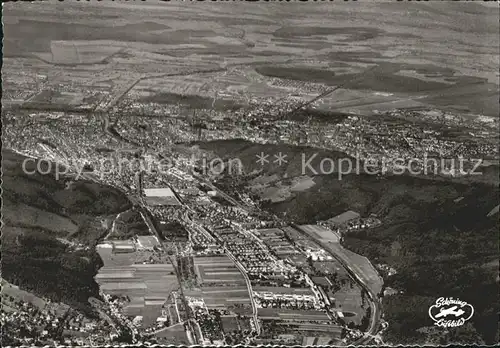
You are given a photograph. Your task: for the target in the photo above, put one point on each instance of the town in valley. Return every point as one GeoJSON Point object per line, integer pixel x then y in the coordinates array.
{"type": "Point", "coordinates": [184, 174]}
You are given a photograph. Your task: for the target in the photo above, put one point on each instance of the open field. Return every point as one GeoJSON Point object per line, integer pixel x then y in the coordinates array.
{"type": "Point", "coordinates": [147, 285]}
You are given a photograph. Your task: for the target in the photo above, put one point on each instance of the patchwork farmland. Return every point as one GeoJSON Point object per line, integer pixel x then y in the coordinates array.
{"type": "Point", "coordinates": [156, 280]}
{"type": "Point", "coordinates": [217, 270]}
{"type": "Point", "coordinates": [222, 286]}
{"type": "Point", "coordinates": [147, 286]}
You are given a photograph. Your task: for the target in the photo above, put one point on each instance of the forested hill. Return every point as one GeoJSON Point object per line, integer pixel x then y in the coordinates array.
{"type": "Point", "coordinates": [446, 248]}
{"type": "Point", "coordinates": [38, 213]}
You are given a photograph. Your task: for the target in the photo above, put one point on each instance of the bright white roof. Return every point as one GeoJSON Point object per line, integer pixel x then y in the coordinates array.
{"type": "Point", "coordinates": [158, 192]}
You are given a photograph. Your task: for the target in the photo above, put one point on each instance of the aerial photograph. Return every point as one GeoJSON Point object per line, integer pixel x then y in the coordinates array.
{"type": "Point", "coordinates": [218, 173]}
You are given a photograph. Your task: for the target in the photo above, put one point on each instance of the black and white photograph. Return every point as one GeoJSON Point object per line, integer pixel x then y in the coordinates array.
{"type": "Point", "coordinates": [250, 173]}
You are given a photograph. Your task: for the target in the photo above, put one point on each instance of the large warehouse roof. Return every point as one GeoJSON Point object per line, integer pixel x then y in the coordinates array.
{"type": "Point", "coordinates": [159, 192]}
